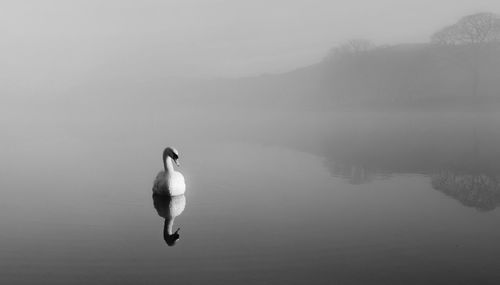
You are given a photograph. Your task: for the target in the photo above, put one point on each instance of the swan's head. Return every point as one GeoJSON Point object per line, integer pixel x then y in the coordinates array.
{"type": "Point", "coordinates": [173, 153]}
{"type": "Point", "coordinates": [171, 239]}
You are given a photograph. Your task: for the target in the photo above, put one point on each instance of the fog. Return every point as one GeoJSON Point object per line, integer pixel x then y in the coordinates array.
{"type": "Point", "coordinates": [71, 41]}
{"type": "Point", "coordinates": [59, 52]}
{"type": "Point", "coordinates": [350, 142]}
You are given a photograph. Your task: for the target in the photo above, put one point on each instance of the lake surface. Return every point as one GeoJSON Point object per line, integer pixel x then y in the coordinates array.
{"type": "Point", "coordinates": [272, 198]}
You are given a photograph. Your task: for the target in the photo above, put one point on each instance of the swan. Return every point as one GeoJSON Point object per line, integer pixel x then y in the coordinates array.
{"type": "Point", "coordinates": [169, 182]}
{"type": "Point", "coordinates": [169, 207]}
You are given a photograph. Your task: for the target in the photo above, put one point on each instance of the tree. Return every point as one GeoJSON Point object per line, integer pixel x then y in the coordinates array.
{"type": "Point", "coordinates": [358, 45]}
{"type": "Point", "coordinates": [475, 33]}
{"type": "Point", "coordinates": [473, 29]}
{"type": "Point", "coordinates": [350, 48]}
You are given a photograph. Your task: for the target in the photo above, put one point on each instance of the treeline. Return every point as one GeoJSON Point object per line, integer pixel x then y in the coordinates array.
{"type": "Point", "coordinates": [424, 75]}
{"type": "Point", "coordinates": [459, 68]}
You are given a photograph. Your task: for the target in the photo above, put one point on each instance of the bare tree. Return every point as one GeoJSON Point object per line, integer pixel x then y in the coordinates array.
{"type": "Point", "coordinates": [473, 29]}
{"type": "Point", "coordinates": [475, 33]}
{"type": "Point", "coordinates": [446, 36]}
{"type": "Point", "coordinates": [350, 48]}
{"type": "Point", "coordinates": [359, 45]}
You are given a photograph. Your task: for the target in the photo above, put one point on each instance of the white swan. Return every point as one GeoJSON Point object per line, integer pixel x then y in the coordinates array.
{"type": "Point", "coordinates": [169, 182]}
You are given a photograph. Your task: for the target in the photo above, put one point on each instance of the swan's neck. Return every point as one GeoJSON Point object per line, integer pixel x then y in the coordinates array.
{"type": "Point", "coordinates": [168, 165]}
{"type": "Point", "coordinates": [167, 226]}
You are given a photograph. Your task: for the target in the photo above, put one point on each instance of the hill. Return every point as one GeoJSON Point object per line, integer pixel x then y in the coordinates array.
{"type": "Point", "coordinates": [409, 76]}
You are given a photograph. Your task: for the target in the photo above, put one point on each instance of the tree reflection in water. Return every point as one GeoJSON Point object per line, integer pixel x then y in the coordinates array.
{"type": "Point", "coordinates": [480, 191]}
{"type": "Point", "coordinates": [460, 154]}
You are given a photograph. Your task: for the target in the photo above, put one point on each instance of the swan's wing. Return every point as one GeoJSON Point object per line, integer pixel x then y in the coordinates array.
{"type": "Point", "coordinates": [181, 178]}
{"type": "Point", "coordinates": [178, 183]}
{"type": "Point", "coordinates": [159, 182]}
{"type": "Point", "coordinates": [160, 176]}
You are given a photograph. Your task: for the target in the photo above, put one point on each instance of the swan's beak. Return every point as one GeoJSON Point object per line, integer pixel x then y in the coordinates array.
{"type": "Point", "coordinates": [177, 162]}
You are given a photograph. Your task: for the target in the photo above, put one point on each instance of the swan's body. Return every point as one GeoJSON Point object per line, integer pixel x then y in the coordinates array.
{"type": "Point", "coordinates": [169, 182]}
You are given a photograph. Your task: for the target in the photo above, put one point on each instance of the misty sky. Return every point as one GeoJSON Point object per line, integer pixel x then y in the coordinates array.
{"type": "Point", "coordinates": [205, 37]}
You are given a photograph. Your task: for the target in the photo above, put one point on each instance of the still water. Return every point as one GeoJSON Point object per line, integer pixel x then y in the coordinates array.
{"type": "Point", "coordinates": [276, 198]}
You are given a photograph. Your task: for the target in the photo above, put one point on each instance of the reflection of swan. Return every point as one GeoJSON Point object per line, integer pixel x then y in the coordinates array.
{"type": "Point", "coordinates": [169, 208]}
{"type": "Point", "coordinates": [169, 181]}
